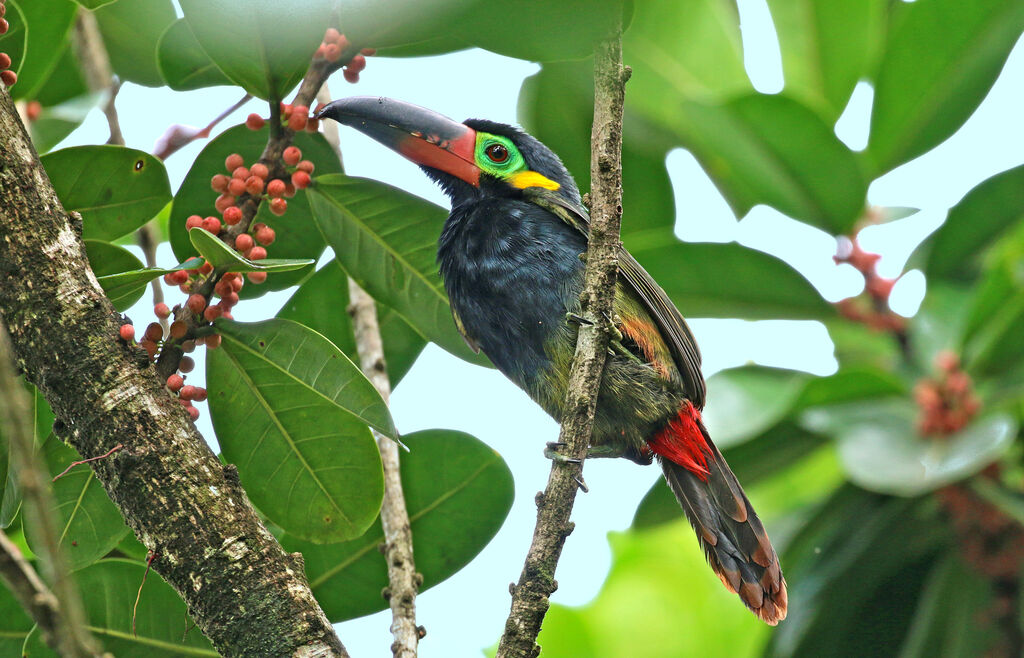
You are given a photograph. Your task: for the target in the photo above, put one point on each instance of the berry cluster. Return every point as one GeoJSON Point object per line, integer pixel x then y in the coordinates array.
{"type": "Point", "coordinates": [334, 46]}
{"type": "Point", "coordinates": [947, 402]}
{"type": "Point", "coordinates": [151, 339]}
{"type": "Point", "coordinates": [7, 76]}
{"type": "Point", "coordinates": [877, 316]}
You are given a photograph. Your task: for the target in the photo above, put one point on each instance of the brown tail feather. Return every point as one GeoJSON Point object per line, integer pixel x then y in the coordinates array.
{"type": "Point", "coordinates": [733, 538]}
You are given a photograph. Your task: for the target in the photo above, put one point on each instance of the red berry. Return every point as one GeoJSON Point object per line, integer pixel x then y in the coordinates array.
{"type": "Point", "coordinates": [178, 329]}
{"type": "Point", "coordinates": [9, 78]}
{"type": "Point", "coordinates": [219, 183]}
{"type": "Point", "coordinates": [300, 179]}
{"type": "Point", "coordinates": [350, 76]}
{"type": "Point", "coordinates": [321, 51]}
{"type": "Point", "coordinates": [206, 268]}
{"type": "Point", "coordinates": [357, 64]}
{"type": "Point", "coordinates": [259, 170]}
{"type": "Point", "coordinates": [228, 300]}
{"type": "Point", "coordinates": [5, 61]}
{"type": "Point", "coordinates": [278, 206]}
{"type": "Point", "coordinates": [154, 331]}
{"type": "Point", "coordinates": [332, 53]}
{"type": "Point", "coordinates": [196, 303]}
{"type": "Point", "coordinates": [162, 311]}
{"type": "Point", "coordinates": [213, 342]}
{"type": "Point", "coordinates": [306, 166]}
{"type": "Point", "coordinates": [241, 173]}
{"type": "Point", "coordinates": [256, 253]}
{"type": "Point", "coordinates": [237, 283]}
{"type": "Point", "coordinates": [313, 125]}
{"type": "Point", "coordinates": [292, 155]}
{"type": "Point", "coordinates": [33, 108]}
{"type": "Point", "coordinates": [212, 224]}
{"type": "Point", "coordinates": [343, 42]}
{"type": "Point", "coordinates": [369, 52]}
{"type": "Point", "coordinates": [200, 394]}
{"type": "Point", "coordinates": [331, 35]}
{"type": "Point", "coordinates": [212, 313]}
{"type": "Point", "coordinates": [265, 235]}
{"type": "Point", "coordinates": [127, 332]}
{"type": "Point", "coordinates": [192, 412]}
{"type": "Point", "coordinates": [275, 188]}
{"type": "Point", "coordinates": [4, 25]}
{"type": "Point", "coordinates": [176, 278]}
{"type": "Point", "coordinates": [193, 221]}
{"type": "Point", "coordinates": [175, 382]}
{"type": "Point", "coordinates": [233, 161]}
{"type": "Point", "coordinates": [289, 190]}
{"type": "Point", "coordinates": [947, 361]}
{"type": "Point", "coordinates": [149, 346]}
{"type": "Point", "coordinates": [257, 277]}
{"type": "Point", "coordinates": [254, 185]}
{"type": "Point", "coordinates": [297, 121]}
{"type": "Point", "coordinates": [187, 392]}
{"type": "Point", "coordinates": [187, 364]}
{"type": "Point", "coordinates": [236, 186]}
{"type": "Point", "coordinates": [286, 110]}
{"type": "Point", "coordinates": [223, 202]}
{"type": "Point", "coordinates": [232, 215]}
{"type": "Point", "coordinates": [254, 121]}
{"type": "Point", "coordinates": [243, 242]}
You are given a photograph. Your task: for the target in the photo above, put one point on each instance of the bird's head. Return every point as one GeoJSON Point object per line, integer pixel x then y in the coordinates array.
{"type": "Point", "coordinates": [470, 160]}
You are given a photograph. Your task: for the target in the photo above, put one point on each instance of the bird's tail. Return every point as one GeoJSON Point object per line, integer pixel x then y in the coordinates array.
{"type": "Point", "coordinates": [733, 538]}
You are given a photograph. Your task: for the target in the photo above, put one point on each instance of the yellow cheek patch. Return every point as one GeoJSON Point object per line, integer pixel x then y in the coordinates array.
{"type": "Point", "coordinates": [526, 179]}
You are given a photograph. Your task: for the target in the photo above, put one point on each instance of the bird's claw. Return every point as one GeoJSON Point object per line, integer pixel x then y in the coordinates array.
{"type": "Point", "coordinates": [551, 451]}
{"type": "Point", "coordinates": [580, 482]}
{"type": "Point", "coordinates": [577, 319]}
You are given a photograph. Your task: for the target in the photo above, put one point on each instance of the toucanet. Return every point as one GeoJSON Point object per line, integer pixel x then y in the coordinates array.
{"type": "Point", "coordinates": [511, 256]}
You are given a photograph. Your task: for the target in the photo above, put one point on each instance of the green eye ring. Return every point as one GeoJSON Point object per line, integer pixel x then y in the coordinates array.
{"type": "Point", "coordinates": [498, 156]}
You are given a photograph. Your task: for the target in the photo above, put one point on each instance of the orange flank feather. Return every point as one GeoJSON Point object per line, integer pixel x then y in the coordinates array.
{"type": "Point", "coordinates": [647, 338]}
{"type": "Point", "coordinates": [683, 442]}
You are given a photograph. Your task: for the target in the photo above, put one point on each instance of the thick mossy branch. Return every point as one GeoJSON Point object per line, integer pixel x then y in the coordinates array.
{"type": "Point", "coordinates": [554, 507]}
{"type": "Point", "coordinates": [245, 593]}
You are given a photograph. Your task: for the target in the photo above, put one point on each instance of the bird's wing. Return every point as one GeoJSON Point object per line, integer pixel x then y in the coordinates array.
{"type": "Point", "coordinates": [634, 277]}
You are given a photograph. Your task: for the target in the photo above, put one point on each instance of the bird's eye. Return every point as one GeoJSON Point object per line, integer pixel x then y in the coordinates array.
{"type": "Point", "coordinates": [497, 153]}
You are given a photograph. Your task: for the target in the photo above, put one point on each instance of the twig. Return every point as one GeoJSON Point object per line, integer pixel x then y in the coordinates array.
{"type": "Point", "coordinates": [64, 617]}
{"type": "Point", "coordinates": [178, 136]}
{"type": "Point", "coordinates": [147, 240]}
{"type": "Point", "coordinates": [536, 583]}
{"type": "Point", "coordinates": [33, 595]}
{"type": "Point", "coordinates": [138, 595]}
{"type": "Point", "coordinates": [86, 461]}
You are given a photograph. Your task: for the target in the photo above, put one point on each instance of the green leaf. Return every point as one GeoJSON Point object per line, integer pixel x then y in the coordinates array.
{"type": "Point", "coordinates": [88, 525]}
{"type": "Point", "coordinates": [974, 223]}
{"type": "Point", "coordinates": [47, 24]}
{"type": "Point", "coordinates": [827, 47]}
{"type": "Point", "coordinates": [14, 42]}
{"type": "Point", "coordinates": [425, 27]}
{"type": "Point", "coordinates": [109, 260]}
{"type": "Point", "coordinates": [777, 151]}
{"type": "Point", "coordinates": [939, 324]}
{"type": "Point", "coordinates": [321, 303]}
{"type": "Point", "coordinates": [15, 624]}
{"type": "Point", "coordinates": [998, 345]}
{"type": "Point", "coordinates": [65, 81]}
{"type": "Point", "coordinates": [386, 239]}
{"type": "Point", "coordinates": [458, 492]}
{"type": "Point", "coordinates": [854, 383]}
{"type": "Point", "coordinates": [291, 411]}
{"type": "Point", "coordinates": [183, 64]}
{"type": "Point", "coordinates": [162, 628]}
{"type": "Point", "coordinates": [131, 30]}
{"type": "Point", "coordinates": [131, 285]}
{"type": "Point", "coordinates": [939, 62]}
{"type": "Point", "coordinates": [728, 280]}
{"type": "Point", "coordinates": [858, 345]}
{"type": "Point", "coordinates": [130, 188]}
{"type": "Point", "coordinates": [57, 122]}
{"type": "Point", "coordinates": [94, 4]}
{"type": "Point", "coordinates": [42, 426]}
{"type": "Point", "coordinates": [881, 450]}
{"type": "Point", "coordinates": [297, 235]}
{"type": "Point", "coordinates": [1008, 501]}
{"type": "Point", "coordinates": [226, 259]}
{"type": "Point", "coordinates": [745, 402]}
{"type": "Point", "coordinates": [266, 48]}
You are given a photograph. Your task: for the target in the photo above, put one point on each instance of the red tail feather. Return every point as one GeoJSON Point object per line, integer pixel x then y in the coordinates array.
{"type": "Point", "coordinates": [682, 441]}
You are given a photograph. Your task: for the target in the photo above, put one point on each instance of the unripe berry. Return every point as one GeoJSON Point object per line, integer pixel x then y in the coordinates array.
{"type": "Point", "coordinates": [212, 313]}
{"type": "Point", "coordinates": [297, 121]}
{"type": "Point", "coordinates": [223, 202]}
{"type": "Point", "coordinates": [254, 121]}
{"type": "Point", "coordinates": [278, 206]}
{"type": "Point", "coordinates": [154, 331]}
{"type": "Point", "coordinates": [219, 183]}
{"type": "Point", "coordinates": [187, 364]}
{"type": "Point", "coordinates": [357, 64]}
{"type": "Point", "coordinates": [162, 311]}
{"type": "Point", "coordinates": [232, 215]}
{"type": "Point", "coordinates": [306, 166]}
{"type": "Point", "coordinates": [275, 188]}
{"type": "Point", "coordinates": [350, 76]}
{"type": "Point", "coordinates": [292, 155]}
{"type": "Point", "coordinates": [196, 303]}
{"type": "Point", "coordinates": [8, 77]}
{"type": "Point", "coordinates": [256, 253]}
{"type": "Point", "coordinates": [127, 332]}
{"type": "Point", "coordinates": [193, 221]}
{"type": "Point", "coordinates": [175, 382]}
{"type": "Point", "coordinates": [187, 392]}
{"type": "Point", "coordinates": [265, 235]}
{"type": "Point", "coordinates": [259, 170]}
{"type": "Point", "coordinates": [257, 277]}
{"type": "Point", "coordinates": [233, 161]}
{"type": "Point", "coordinates": [254, 185]}
{"type": "Point", "coordinates": [332, 53]}
{"type": "Point", "coordinates": [300, 179]}
{"type": "Point", "coordinates": [178, 329]}
{"type": "Point", "coordinates": [243, 242]}
{"type": "Point", "coordinates": [213, 342]}
{"type": "Point", "coordinates": [212, 224]}
{"type": "Point", "coordinates": [192, 412]}
{"type": "Point", "coordinates": [236, 186]}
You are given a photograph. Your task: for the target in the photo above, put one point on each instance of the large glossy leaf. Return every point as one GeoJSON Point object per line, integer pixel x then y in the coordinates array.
{"type": "Point", "coordinates": [226, 259]}
{"type": "Point", "coordinates": [182, 63]}
{"type": "Point", "coordinates": [127, 287]}
{"type": "Point", "coordinates": [14, 41]}
{"type": "Point", "coordinates": [728, 280]}
{"type": "Point", "coordinates": [48, 24]}
{"type": "Point", "coordinates": [827, 47]}
{"type": "Point", "coordinates": [881, 450]}
{"type": "Point", "coordinates": [15, 624]}
{"type": "Point", "coordinates": [42, 425]}
{"type": "Point", "coordinates": [986, 212]}
{"type": "Point", "coordinates": [291, 412]}
{"type": "Point", "coordinates": [131, 30]}
{"type": "Point", "coordinates": [744, 402]}
{"type": "Point", "coordinates": [116, 189]}
{"type": "Point", "coordinates": [162, 627]}
{"type": "Point", "coordinates": [458, 492]}
{"type": "Point", "coordinates": [853, 383]}
{"type": "Point", "coordinates": [297, 236]}
{"type": "Point", "coordinates": [108, 259]}
{"type": "Point", "coordinates": [998, 345]}
{"type": "Point", "coordinates": [940, 60]}
{"type": "Point", "coordinates": [93, 4]}
{"type": "Point", "coordinates": [88, 525]}
{"type": "Point", "coordinates": [266, 48]}
{"type": "Point", "coordinates": [321, 303]}
{"type": "Point", "coordinates": [777, 151]}
{"type": "Point", "coordinates": [386, 239]}
{"type": "Point", "coordinates": [410, 27]}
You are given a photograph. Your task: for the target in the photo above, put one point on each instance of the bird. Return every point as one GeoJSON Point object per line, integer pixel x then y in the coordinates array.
{"type": "Point", "coordinates": [511, 255]}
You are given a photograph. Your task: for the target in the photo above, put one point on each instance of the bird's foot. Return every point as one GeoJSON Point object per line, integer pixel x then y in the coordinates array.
{"type": "Point", "coordinates": [575, 318]}
{"type": "Point", "coordinates": [551, 451]}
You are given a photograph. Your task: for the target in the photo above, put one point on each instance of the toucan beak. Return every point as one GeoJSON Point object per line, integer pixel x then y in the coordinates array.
{"type": "Point", "coordinates": [421, 135]}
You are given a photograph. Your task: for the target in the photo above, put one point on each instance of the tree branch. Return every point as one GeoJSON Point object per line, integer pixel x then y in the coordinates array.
{"type": "Point", "coordinates": [536, 583]}
{"type": "Point", "coordinates": [246, 594]}
{"type": "Point", "coordinates": [59, 613]}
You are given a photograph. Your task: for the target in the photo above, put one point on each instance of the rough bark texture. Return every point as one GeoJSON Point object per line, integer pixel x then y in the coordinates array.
{"type": "Point", "coordinates": [245, 593]}
{"type": "Point", "coordinates": [403, 580]}
{"type": "Point", "coordinates": [537, 582]}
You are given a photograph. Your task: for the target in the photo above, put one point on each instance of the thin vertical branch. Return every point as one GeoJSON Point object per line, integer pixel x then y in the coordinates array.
{"type": "Point", "coordinates": [554, 507]}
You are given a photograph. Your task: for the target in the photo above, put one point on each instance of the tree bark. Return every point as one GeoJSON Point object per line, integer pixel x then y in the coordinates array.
{"type": "Point", "coordinates": [246, 594]}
